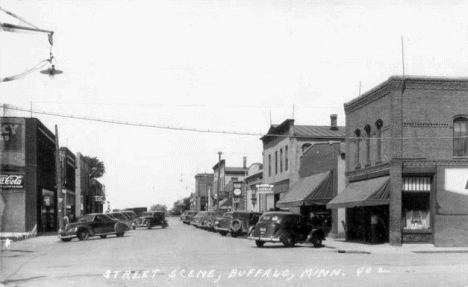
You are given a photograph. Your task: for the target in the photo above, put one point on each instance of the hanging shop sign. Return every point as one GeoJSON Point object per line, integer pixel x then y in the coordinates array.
{"type": "Point", "coordinates": [11, 181]}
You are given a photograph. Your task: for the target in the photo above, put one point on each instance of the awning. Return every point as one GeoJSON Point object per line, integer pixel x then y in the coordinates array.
{"type": "Point", "coordinates": [312, 190]}
{"type": "Point", "coordinates": [371, 192]}
{"type": "Point", "coordinates": [225, 203]}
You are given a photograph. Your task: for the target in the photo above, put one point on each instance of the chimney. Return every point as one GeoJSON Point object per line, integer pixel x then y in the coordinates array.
{"type": "Point", "coordinates": [333, 125]}
{"type": "Point", "coordinates": [245, 162]}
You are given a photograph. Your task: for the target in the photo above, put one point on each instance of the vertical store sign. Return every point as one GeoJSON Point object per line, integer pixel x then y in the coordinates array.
{"type": "Point", "coordinates": [11, 136]}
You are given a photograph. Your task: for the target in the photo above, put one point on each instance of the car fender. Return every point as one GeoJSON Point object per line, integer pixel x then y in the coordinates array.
{"type": "Point", "coordinates": [120, 227]}
{"type": "Point", "coordinates": [282, 234]}
{"type": "Point", "coordinates": [90, 230]}
{"type": "Point", "coordinates": [317, 233]}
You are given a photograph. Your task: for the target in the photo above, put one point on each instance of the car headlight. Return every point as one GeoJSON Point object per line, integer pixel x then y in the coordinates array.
{"type": "Point", "coordinates": [216, 222]}
{"type": "Point", "coordinates": [72, 229]}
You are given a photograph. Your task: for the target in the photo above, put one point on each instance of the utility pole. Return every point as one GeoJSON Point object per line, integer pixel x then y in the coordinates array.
{"type": "Point", "coordinates": [219, 179]}
{"type": "Point", "coordinates": [58, 175]}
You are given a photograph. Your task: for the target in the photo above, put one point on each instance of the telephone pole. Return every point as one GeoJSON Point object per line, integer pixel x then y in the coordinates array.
{"type": "Point", "coordinates": [58, 175]}
{"type": "Point", "coordinates": [219, 179]}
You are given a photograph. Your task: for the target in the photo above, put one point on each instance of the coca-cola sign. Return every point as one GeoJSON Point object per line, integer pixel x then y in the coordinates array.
{"type": "Point", "coordinates": [11, 181]}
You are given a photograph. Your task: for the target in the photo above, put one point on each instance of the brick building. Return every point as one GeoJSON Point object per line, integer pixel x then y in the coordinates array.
{"type": "Point", "coordinates": [227, 175]}
{"type": "Point", "coordinates": [407, 162]}
{"type": "Point", "coordinates": [283, 147]}
{"type": "Point", "coordinates": [28, 194]}
{"type": "Point", "coordinates": [321, 178]}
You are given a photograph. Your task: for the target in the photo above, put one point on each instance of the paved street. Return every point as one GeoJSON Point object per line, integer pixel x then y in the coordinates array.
{"type": "Point", "coordinates": [182, 255]}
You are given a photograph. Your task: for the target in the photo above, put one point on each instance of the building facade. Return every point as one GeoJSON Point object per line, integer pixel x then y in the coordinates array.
{"type": "Point", "coordinates": [254, 177]}
{"type": "Point", "coordinates": [322, 177]}
{"type": "Point", "coordinates": [203, 187]}
{"type": "Point", "coordinates": [407, 163]}
{"type": "Point", "coordinates": [28, 194]}
{"type": "Point", "coordinates": [68, 170]}
{"type": "Point", "coordinates": [283, 147]}
{"type": "Point", "coordinates": [222, 176]}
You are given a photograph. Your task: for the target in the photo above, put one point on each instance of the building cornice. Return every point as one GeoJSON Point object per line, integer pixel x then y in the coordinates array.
{"type": "Point", "coordinates": [406, 83]}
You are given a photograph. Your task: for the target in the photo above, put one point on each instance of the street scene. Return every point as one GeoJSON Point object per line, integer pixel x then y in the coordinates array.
{"type": "Point", "coordinates": [183, 255]}
{"type": "Point", "coordinates": [233, 143]}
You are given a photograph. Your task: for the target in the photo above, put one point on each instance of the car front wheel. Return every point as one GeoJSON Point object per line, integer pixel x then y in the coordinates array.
{"type": "Point", "coordinates": [289, 241]}
{"type": "Point", "coordinates": [103, 236]}
{"type": "Point", "coordinates": [317, 242]}
{"type": "Point", "coordinates": [148, 225]}
{"type": "Point", "coordinates": [66, 239]}
{"type": "Point", "coordinates": [223, 233]}
{"type": "Point", "coordinates": [120, 234]}
{"type": "Point", "coordinates": [259, 243]}
{"type": "Point", "coordinates": [83, 234]}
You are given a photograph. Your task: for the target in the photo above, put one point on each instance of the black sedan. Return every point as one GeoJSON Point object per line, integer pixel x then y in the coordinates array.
{"type": "Point", "coordinates": [95, 224]}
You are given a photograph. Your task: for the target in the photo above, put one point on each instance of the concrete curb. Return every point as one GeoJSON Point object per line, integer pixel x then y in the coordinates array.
{"type": "Point", "coordinates": [353, 251]}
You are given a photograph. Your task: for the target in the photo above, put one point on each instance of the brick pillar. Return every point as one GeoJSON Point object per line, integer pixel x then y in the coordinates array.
{"type": "Point", "coordinates": [395, 203]}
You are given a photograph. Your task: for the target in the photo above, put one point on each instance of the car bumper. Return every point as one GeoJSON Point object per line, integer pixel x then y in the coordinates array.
{"type": "Point", "coordinates": [63, 234]}
{"type": "Point", "coordinates": [264, 239]}
{"type": "Point", "coordinates": [222, 229]}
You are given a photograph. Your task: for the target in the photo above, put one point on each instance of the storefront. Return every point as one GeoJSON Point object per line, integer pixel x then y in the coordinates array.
{"type": "Point", "coordinates": [27, 176]}
{"type": "Point", "coordinates": [367, 209]}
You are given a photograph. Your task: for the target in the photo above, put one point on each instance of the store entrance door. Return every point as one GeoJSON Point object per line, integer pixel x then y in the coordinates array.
{"type": "Point", "coordinates": [48, 212]}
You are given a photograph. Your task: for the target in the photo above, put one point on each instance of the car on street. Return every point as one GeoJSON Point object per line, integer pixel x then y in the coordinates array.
{"type": "Point", "coordinates": [287, 228]}
{"type": "Point", "coordinates": [237, 223]}
{"type": "Point", "coordinates": [122, 217]}
{"type": "Point", "coordinates": [187, 216]}
{"type": "Point", "coordinates": [95, 224]}
{"type": "Point", "coordinates": [154, 218]}
{"type": "Point", "coordinates": [198, 219]}
{"type": "Point", "coordinates": [210, 218]}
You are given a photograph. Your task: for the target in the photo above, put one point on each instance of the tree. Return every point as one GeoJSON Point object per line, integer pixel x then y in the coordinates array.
{"type": "Point", "coordinates": [158, 206]}
{"type": "Point", "coordinates": [96, 166]}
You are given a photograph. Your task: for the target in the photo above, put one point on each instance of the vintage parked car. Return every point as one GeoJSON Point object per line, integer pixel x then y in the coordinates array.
{"type": "Point", "coordinates": [122, 217]}
{"type": "Point", "coordinates": [288, 228]}
{"type": "Point", "coordinates": [198, 219]}
{"type": "Point", "coordinates": [210, 218]}
{"type": "Point", "coordinates": [237, 223]}
{"type": "Point", "coordinates": [188, 215]}
{"type": "Point", "coordinates": [154, 218]}
{"type": "Point", "coordinates": [95, 224]}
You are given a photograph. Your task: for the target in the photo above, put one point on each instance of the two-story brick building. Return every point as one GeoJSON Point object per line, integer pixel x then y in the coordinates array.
{"type": "Point", "coordinates": [283, 147]}
{"type": "Point", "coordinates": [28, 194]}
{"type": "Point", "coordinates": [407, 162]}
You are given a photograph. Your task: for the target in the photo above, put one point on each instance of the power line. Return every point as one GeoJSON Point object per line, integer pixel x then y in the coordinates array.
{"type": "Point", "coordinates": [118, 122]}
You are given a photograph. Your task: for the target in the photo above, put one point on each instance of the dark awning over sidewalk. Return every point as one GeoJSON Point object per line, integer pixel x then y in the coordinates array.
{"type": "Point", "coordinates": [369, 192]}
{"type": "Point", "coordinates": [312, 190]}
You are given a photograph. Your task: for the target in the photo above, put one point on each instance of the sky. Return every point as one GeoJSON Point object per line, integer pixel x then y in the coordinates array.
{"type": "Point", "coordinates": [211, 65]}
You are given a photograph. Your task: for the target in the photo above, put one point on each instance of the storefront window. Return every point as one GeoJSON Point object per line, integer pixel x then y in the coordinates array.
{"type": "Point", "coordinates": [416, 213]}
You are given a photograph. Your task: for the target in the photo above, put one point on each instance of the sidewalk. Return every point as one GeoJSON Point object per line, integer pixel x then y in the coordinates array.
{"type": "Point", "coordinates": [342, 246]}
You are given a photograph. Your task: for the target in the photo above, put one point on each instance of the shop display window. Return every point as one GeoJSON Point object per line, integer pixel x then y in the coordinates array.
{"type": "Point", "coordinates": [416, 211]}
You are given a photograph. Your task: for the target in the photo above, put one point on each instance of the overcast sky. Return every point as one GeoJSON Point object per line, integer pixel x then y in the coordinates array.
{"type": "Point", "coordinates": [212, 65]}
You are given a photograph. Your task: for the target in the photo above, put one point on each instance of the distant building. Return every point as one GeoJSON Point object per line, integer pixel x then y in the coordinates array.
{"type": "Point", "coordinates": [203, 186]}
{"type": "Point", "coordinates": [226, 175]}
{"type": "Point", "coordinates": [283, 146]}
{"type": "Point", "coordinates": [254, 177]}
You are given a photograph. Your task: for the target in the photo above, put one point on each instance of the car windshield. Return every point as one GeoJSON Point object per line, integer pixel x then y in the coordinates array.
{"type": "Point", "coordinates": [86, 218]}
{"type": "Point", "coordinates": [118, 215]}
{"type": "Point", "coordinates": [271, 217]}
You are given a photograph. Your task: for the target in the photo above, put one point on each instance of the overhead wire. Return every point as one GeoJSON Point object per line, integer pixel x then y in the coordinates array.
{"type": "Point", "coordinates": [119, 122]}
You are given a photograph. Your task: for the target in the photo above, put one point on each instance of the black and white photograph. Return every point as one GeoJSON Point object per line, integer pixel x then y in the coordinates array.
{"type": "Point", "coordinates": [233, 143]}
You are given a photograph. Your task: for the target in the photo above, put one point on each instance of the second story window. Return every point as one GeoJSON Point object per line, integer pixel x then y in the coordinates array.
{"type": "Point", "coordinates": [367, 128]}
{"type": "Point", "coordinates": [286, 163]}
{"type": "Point", "coordinates": [379, 125]}
{"type": "Point", "coordinates": [276, 162]}
{"type": "Point", "coordinates": [460, 136]}
{"type": "Point", "coordinates": [357, 157]}
{"type": "Point", "coordinates": [281, 160]}
{"type": "Point", "coordinates": [269, 165]}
